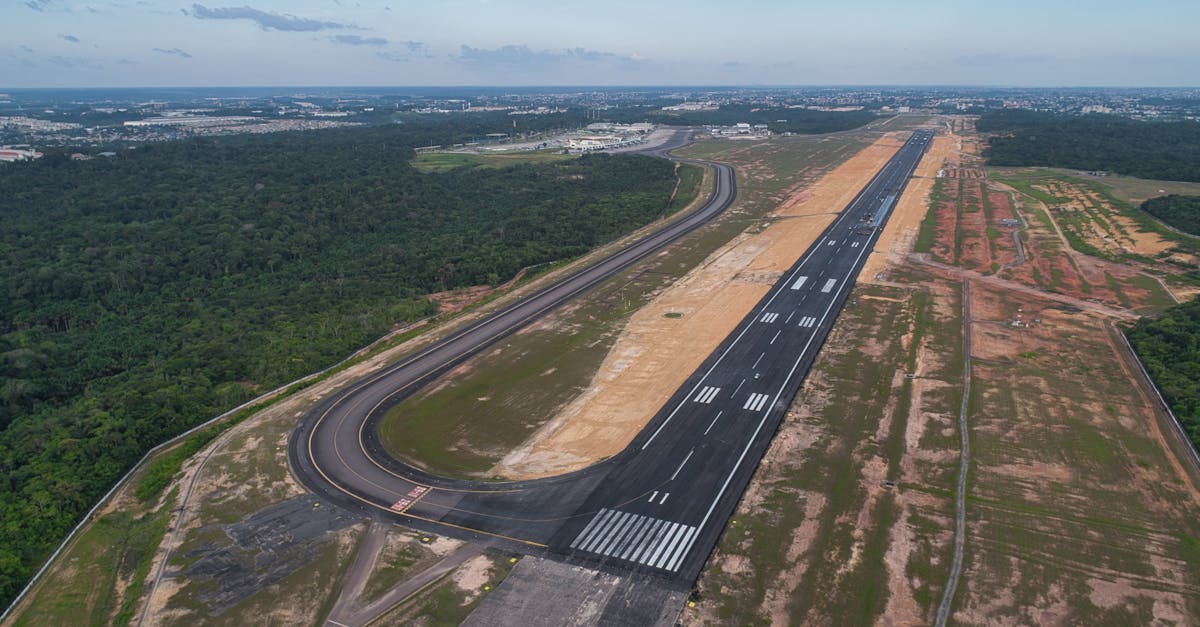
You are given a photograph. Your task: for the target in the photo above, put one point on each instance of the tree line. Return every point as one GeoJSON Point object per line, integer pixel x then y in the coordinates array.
{"type": "Point", "coordinates": [146, 293]}
{"type": "Point", "coordinates": [1180, 212]}
{"type": "Point", "coordinates": [1153, 150]}
{"type": "Point", "coordinates": [1169, 346]}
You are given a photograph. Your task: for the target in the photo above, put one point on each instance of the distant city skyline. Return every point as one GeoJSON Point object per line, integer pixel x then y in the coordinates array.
{"type": "Point", "coordinates": [63, 43]}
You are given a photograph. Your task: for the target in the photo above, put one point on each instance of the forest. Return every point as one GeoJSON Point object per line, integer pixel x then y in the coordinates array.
{"type": "Point", "coordinates": [1176, 211]}
{"type": "Point", "coordinates": [1169, 346]}
{"type": "Point", "coordinates": [146, 293]}
{"type": "Point", "coordinates": [1153, 150]}
{"type": "Point", "coordinates": [778, 119]}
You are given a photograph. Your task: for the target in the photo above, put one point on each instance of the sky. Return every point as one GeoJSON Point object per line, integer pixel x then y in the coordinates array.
{"type": "Point", "coordinates": [130, 43]}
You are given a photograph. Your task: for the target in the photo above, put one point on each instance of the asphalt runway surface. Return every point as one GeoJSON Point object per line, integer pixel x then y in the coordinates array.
{"type": "Point", "coordinates": [658, 507]}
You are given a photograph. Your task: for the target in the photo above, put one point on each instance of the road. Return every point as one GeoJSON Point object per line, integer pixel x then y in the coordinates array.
{"type": "Point", "coordinates": [659, 506]}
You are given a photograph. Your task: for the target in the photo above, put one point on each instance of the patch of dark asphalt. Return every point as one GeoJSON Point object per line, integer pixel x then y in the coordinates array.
{"type": "Point", "coordinates": [264, 548]}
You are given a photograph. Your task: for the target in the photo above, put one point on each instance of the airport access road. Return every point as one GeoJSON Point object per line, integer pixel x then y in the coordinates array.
{"type": "Point", "coordinates": [659, 506]}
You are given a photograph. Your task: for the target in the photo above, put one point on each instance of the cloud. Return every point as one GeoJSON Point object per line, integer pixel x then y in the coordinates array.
{"type": "Point", "coordinates": [71, 38]}
{"type": "Point", "coordinates": [355, 40]}
{"type": "Point", "coordinates": [412, 50]}
{"type": "Point", "coordinates": [513, 56]}
{"type": "Point", "coordinates": [26, 49]}
{"type": "Point", "coordinates": [264, 19]}
{"type": "Point", "coordinates": [173, 51]}
{"type": "Point", "coordinates": [75, 63]}
{"type": "Point", "coordinates": [39, 5]}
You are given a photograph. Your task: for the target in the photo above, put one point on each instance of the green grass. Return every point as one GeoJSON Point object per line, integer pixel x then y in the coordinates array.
{"type": "Point", "coordinates": [445, 161]}
{"type": "Point", "coordinates": [83, 589]}
{"type": "Point", "coordinates": [927, 234]}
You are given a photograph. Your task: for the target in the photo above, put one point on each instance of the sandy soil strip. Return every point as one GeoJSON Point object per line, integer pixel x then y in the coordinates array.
{"type": "Point", "coordinates": [656, 353]}
{"type": "Point", "coordinates": [900, 234]}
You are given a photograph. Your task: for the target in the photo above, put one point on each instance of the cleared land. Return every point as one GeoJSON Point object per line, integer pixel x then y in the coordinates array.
{"type": "Point", "coordinates": [443, 161]}
{"type": "Point", "coordinates": [529, 387]}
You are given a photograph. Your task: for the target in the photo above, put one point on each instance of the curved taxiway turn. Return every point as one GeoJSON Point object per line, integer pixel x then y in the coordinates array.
{"type": "Point", "coordinates": [658, 506]}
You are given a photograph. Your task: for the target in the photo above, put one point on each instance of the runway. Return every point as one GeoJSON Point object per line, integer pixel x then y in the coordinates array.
{"type": "Point", "coordinates": [659, 506]}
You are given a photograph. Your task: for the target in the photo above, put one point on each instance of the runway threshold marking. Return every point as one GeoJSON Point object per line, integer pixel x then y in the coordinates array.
{"type": "Point", "coordinates": [645, 540]}
{"type": "Point", "coordinates": [808, 321]}
{"type": "Point", "coordinates": [853, 244]}
{"type": "Point", "coordinates": [769, 318]}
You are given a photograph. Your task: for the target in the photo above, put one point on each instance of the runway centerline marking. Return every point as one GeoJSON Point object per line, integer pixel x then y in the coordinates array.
{"type": "Point", "coordinates": [681, 465]}
{"type": "Point", "coordinates": [714, 420]}
{"type": "Point", "coordinates": [757, 360]}
{"type": "Point", "coordinates": [776, 336]}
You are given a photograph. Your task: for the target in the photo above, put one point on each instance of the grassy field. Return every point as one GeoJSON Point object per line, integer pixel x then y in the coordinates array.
{"type": "Point", "coordinates": [102, 578]}
{"type": "Point", "coordinates": [443, 161]}
{"type": "Point", "coordinates": [1077, 512]}
{"type": "Point", "coordinates": [465, 422]}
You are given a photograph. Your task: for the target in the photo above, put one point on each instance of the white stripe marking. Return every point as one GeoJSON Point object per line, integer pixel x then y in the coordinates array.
{"type": "Point", "coordinates": [643, 534]}
{"type": "Point", "coordinates": [684, 545]}
{"type": "Point", "coordinates": [618, 529]}
{"type": "Point", "coordinates": [789, 318]}
{"type": "Point", "coordinates": [707, 394]}
{"type": "Point", "coordinates": [648, 539]}
{"type": "Point", "coordinates": [832, 242]}
{"type": "Point", "coordinates": [808, 321]}
{"type": "Point", "coordinates": [670, 546]}
{"type": "Point", "coordinates": [685, 460]}
{"type": "Point", "coordinates": [588, 528]}
{"type": "Point", "coordinates": [776, 336]}
{"type": "Point", "coordinates": [853, 244]}
{"type": "Point", "coordinates": [755, 402]}
{"type": "Point", "coordinates": [799, 283]}
{"type": "Point", "coordinates": [610, 516]}
{"type": "Point", "coordinates": [757, 360]}
{"type": "Point", "coordinates": [662, 543]}
{"type": "Point", "coordinates": [664, 498]}
{"type": "Point", "coordinates": [710, 425]}
{"type": "Point", "coordinates": [630, 535]}
{"type": "Point", "coordinates": [652, 496]}
{"type": "Point", "coordinates": [829, 285]}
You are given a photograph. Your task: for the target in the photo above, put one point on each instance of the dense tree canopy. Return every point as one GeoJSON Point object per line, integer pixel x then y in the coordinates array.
{"type": "Point", "coordinates": [145, 293]}
{"type": "Point", "coordinates": [1180, 212]}
{"type": "Point", "coordinates": [1169, 346]}
{"type": "Point", "coordinates": [1152, 150]}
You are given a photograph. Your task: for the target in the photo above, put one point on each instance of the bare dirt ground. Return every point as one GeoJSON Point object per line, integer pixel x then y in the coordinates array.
{"type": "Point", "coordinates": [1078, 512]}
{"type": "Point", "coordinates": [898, 236]}
{"type": "Point", "coordinates": [669, 338]}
